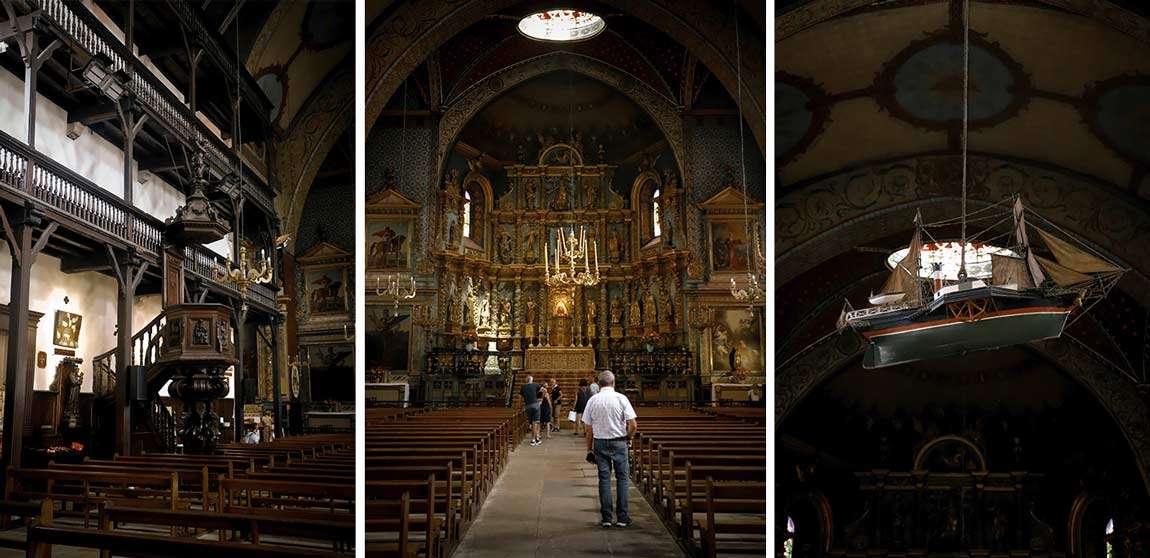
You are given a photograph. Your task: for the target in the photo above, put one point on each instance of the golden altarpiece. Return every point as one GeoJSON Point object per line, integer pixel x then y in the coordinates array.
{"type": "Point", "coordinates": [487, 250]}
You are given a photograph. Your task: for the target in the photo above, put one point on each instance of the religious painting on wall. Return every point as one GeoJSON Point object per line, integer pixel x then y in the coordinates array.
{"type": "Point", "coordinates": [388, 338]}
{"type": "Point", "coordinates": [736, 341]}
{"type": "Point", "coordinates": [326, 290]}
{"type": "Point", "coordinates": [389, 243]}
{"type": "Point", "coordinates": [66, 332]}
{"type": "Point", "coordinates": [731, 247]}
{"type": "Point", "coordinates": [332, 369]}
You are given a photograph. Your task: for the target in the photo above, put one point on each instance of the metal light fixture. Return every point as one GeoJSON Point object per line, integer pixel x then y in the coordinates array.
{"type": "Point", "coordinates": [99, 73]}
{"type": "Point", "coordinates": [392, 289]}
{"type": "Point", "coordinates": [246, 273]}
{"type": "Point", "coordinates": [571, 250]}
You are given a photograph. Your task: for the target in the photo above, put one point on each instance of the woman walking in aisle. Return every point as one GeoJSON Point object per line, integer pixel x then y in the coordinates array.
{"type": "Point", "coordinates": [556, 405]}
{"type": "Point", "coordinates": [581, 398]}
{"type": "Point", "coordinates": [545, 409]}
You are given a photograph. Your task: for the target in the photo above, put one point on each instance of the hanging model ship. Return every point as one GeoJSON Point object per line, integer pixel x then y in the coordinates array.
{"type": "Point", "coordinates": [1021, 296]}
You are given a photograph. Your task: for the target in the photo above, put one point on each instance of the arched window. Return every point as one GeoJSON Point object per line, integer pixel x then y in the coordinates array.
{"type": "Point", "coordinates": [789, 539]}
{"type": "Point", "coordinates": [1109, 534]}
{"type": "Point", "coordinates": [466, 214]}
{"type": "Point", "coordinates": [656, 225]}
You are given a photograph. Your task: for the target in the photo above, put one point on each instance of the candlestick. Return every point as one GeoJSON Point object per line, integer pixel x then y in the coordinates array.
{"type": "Point", "coordinates": [546, 265]}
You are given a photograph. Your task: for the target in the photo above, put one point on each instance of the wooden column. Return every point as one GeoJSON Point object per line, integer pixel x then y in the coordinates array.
{"type": "Point", "coordinates": [277, 321]}
{"type": "Point", "coordinates": [129, 270]}
{"type": "Point", "coordinates": [18, 382]}
{"type": "Point", "coordinates": [131, 125]}
{"type": "Point", "coordinates": [241, 313]}
{"type": "Point", "coordinates": [33, 57]}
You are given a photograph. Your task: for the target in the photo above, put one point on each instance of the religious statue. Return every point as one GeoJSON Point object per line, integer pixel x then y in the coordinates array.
{"type": "Point", "coordinates": [451, 182]}
{"type": "Point", "coordinates": [591, 195]}
{"type": "Point", "coordinates": [561, 203]}
{"type": "Point", "coordinates": [529, 196]}
{"type": "Point", "coordinates": [483, 312]}
{"type": "Point", "coordinates": [616, 313]}
{"type": "Point", "coordinates": [667, 208]}
{"type": "Point", "coordinates": [614, 246]}
{"type": "Point", "coordinates": [505, 313]}
{"type": "Point", "coordinates": [601, 154]}
{"type": "Point", "coordinates": [634, 318]}
{"type": "Point", "coordinates": [531, 312]}
{"type": "Point", "coordinates": [668, 307]}
{"type": "Point", "coordinates": [506, 247]}
{"type": "Point", "coordinates": [529, 243]}
{"type": "Point", "coordinates": [520, 154]}
{"type": "Point", "coordinates": [649, 314]}
{"type": "Point", "coordinates": [469, 317]}
{"type": "Point", "coordinates": [591, 311]}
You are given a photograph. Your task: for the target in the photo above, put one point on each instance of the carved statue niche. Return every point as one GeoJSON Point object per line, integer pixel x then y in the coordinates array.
{"type": "Point", "coordinates": [591, 194]}
{"type": "Point", "coordinates": [590, 314]}
{"type": "Point", "coordinates": [529, 194]}
{"type": "Point", "coordinates": [561, 202]}
{"type": "Point", "coordinates": [668, 218]}
{"type": "Point", "coordinates": [650, 316]}
{"type": "Point", "coordinates": [530, 312]}
{"type": "Point", "coordinates": [506, 247]}
{"type": "Point", "coordinates": [530, 241]}
{"type": "Point", "coordinates": [614, 246]}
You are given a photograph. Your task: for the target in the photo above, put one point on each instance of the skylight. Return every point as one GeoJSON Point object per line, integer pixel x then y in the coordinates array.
{"type": "Point", "coordinates": [562, 25]}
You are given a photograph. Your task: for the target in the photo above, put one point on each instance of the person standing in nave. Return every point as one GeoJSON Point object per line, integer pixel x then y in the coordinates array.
{"type": "Point", "coordinates": [531, 407]}
{"type": "Point", "coordinates": [546, 408]}
{"type": "Point", "coordinates": [556, 404]}
{"type": "Point", "coordinates": [581, 398]}
{"type": "Point", "coordinates": [610, 421]}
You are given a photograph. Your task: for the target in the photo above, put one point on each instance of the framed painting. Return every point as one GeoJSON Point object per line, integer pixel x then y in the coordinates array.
{"type": "Point", "coordinates": [731, 247]}
{"type": "Point", "coordinates": [389, 242]}
{"type": "Point", "coordinates": [326, 290]}
{"type": "Point", "coordinates": [736, 341]}
{"type": "Point", "coordinates": [388, 338]}
{"type": "Point", "coordinates": [332, 371]}
{"type": "Point", "coordinates": [66, 332]}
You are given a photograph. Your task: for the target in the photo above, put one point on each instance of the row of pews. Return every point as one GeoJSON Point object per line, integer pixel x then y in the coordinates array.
{"type": "Point", "coordinates": [704, 471]}
{"type": "Point", "coordinates": [290, 497]}
{"type": "Point", "coordinates": [428, 472]}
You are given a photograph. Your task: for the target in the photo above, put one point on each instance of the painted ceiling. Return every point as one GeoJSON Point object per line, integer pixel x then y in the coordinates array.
{"type": "Point", "coordinates": [298, 46]}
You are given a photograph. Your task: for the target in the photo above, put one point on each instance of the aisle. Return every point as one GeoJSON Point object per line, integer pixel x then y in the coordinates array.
{"type": "Point", "coordinates": [546, 503]}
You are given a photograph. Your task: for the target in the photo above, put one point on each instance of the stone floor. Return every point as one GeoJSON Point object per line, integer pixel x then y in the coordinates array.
{"type": "Point", "coordinates": [546, 503]}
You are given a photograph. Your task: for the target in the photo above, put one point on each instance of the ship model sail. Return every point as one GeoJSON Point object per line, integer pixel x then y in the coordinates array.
{"type": "Point", "coordinates": [1027, 293]}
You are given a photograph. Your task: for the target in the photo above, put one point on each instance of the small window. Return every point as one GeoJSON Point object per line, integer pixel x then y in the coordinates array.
{"type": "Point", "coordinates": [467, 214]}
{"type": "Point", "coordinates": [656, 226]}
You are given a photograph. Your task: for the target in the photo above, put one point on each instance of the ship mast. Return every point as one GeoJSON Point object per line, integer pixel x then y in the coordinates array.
{"type": "Point", "coordinates": [965, 125]}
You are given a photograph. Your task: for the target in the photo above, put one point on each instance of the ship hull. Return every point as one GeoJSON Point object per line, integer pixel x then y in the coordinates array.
{"type": "Point", "coordinates": [942, 337]}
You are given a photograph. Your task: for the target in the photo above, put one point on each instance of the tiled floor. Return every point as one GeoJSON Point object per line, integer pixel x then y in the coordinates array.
{"type": "Point", "coordinates": [546, 504]}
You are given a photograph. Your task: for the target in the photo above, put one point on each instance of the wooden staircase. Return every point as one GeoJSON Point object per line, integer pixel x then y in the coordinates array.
{"type": "Point", "coordinates": [156, 430]}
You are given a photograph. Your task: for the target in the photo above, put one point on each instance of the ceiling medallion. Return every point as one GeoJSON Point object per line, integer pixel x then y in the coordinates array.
{"type": "Point", "coordinates": [923, 84]}
{"type": "Point", "coordinates": [1115, 110]}
{"type": "Point", "coordinates": [561, 25]}
{"type": "Point", "coordinates": [801, 112]}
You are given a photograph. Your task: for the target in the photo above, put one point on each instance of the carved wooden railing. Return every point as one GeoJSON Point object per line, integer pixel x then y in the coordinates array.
{"type": "Point", "coordinates": [77, 26]}
{"type": "Point", "coordinates": [146, 345]}
{"type": "Point", "coordinates": [162, 424]}
{"type": "Point", "coordinates": [224, 57]}
{"type": "Point", "coordinates": [56, 186]}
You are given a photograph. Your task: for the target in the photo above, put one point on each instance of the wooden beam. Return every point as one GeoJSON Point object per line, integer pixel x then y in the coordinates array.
{"type": "Point", "coordinates": [89, 114]}
{"type": "Point", "coordinates": [96, 262]}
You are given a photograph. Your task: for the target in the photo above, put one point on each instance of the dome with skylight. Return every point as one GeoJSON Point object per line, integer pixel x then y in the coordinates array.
{"type": "Point", "coordinates": [562, 25]}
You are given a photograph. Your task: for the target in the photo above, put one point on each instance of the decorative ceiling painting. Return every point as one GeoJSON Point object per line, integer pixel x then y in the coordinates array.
{"type": "Point", "coordinates": [923, 84]}
{"type": "Point", "coordinates": [1118, 112]}
{"type": "Point", "coordinates": [800, 114]}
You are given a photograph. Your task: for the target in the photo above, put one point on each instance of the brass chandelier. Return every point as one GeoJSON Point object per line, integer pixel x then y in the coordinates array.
{"type": "Point", "coordinates": [571, 249]}
{"type": "Point", "coordinates": [753, 293]}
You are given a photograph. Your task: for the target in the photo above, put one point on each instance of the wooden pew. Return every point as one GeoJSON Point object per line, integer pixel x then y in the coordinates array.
{"type": "Point", "coordinates": [737, 509]}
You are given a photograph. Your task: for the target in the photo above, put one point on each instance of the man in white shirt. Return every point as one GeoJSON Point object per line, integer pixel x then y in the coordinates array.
{"type": "Point", "coordinates": [610, 421]}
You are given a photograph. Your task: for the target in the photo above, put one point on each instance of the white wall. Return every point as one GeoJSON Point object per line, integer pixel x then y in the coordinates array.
{"type": "Point", "coordinates": [91, 295]}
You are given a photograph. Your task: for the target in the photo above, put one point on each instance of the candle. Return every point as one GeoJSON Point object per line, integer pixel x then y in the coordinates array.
{"type": "Point", "coordinates": [546, 266]}
{"type": "Point", "coordinates": [595, 252]}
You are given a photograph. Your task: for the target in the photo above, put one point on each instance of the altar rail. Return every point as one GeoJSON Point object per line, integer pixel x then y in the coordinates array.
{"type": "Point", "coordinates": [80, 29]}
{"type": "Point", "coordinates": [657, 363]}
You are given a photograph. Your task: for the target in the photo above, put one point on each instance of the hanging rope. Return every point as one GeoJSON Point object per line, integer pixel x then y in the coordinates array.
{"type": "Point", "coordinates": [965, 124]}
{"type": "Point", "coordinates": [739, 119]}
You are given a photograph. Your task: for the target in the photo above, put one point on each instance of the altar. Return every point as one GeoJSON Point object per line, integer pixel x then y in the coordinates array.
{"type": "Point", "coordinates": [548, 360]}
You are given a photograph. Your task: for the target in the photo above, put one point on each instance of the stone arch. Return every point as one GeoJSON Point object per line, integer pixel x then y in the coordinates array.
{"type": "Point", "coordinates": [800, 375]}
{"type": "Point", "coordinates": [415, 29]}
{"type": "Point", "coordinates": [834, 214]}
{"type": "Point", "coordinates": [313, 133]}
{"type": "Point", "coordinates": [456, 116]}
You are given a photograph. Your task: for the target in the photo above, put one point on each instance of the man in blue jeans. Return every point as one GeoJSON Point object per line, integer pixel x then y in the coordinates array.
{"type": "Point", "coordinates": [610, 421]}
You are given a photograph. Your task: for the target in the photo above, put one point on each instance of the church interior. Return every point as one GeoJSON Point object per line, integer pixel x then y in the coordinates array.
{"type": "Point", "coordinates": [901, 120]}
{"type": "Point", "coordinates": [177, 285]}
{"type": "Point", "coordinates": [553, 191]}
